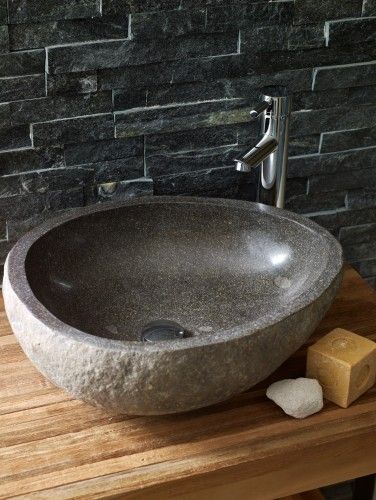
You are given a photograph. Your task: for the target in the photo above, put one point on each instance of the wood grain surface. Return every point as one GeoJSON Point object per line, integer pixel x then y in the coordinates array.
{"type": "Point", "coordinates": [53, 447]}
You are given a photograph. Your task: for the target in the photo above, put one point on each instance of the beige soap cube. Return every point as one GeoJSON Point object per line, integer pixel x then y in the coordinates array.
{"type": "Point", "coordinates": [345, 365]}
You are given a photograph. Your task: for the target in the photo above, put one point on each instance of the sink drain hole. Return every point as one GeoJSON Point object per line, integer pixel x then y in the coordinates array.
{"type": "Point", "coordinates": [163, 329]}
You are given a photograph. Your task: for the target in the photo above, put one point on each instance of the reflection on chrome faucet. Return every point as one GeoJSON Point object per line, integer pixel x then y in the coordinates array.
{"type": "Point", "coordinates": [272, 150]}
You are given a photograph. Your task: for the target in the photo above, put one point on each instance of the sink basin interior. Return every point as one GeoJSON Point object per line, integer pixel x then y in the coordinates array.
{"type": "Point", "coordinates": [209, 267]}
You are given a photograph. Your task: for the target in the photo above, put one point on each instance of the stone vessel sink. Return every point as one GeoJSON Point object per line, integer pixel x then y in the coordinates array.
{"type": "Point", "coordinates": [247, 284]}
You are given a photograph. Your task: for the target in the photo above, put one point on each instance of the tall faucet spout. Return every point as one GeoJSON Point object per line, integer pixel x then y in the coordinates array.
{"type": "Point", "coordinates": [263, 149]}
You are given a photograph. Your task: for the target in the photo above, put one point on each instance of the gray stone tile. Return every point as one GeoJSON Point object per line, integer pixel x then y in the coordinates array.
{"type": "Point", "coordinates": [364, 233]}
{"type": "Point", "coordinates": [305, 145]}
{"type": "Point", "coordinates": [120, 7]}
{"type": "Point", "coordinates": [22, 63]}
{"type": "Point", "coordinates": [308, 122]}
{"type": "Point", "coordinates": [350, 179]}
{"type": "Point", "coordinates": [111, 149]}
{"type": "Point", "coordinates": [312, 11]}
{"type": "Point", "coordinates": [75, 83]}
{"type": "Point", "coordinates": [361, 198]}
{"type": "Point", "coordinates": [343, 76]}
{"type": "Point", "coordinates": [15, 137]}
{"type": "Point", "coordinates": [81, 129]}
{"type": "Point", "coordinates": [306, 204]}
{"type": "Point", "coordinates": [366, 267]}
{"type": "Point", "coordinates": [306, 166]}
{"type": "Point", "coordinates": [112, 54]}
{"type": "Point", "coordinates": [31, 159]}
{"type": "Point", "coordinates": [192, 140]}
{"type": "Point", "coordinates": [348, 139]}
{"type": "Point", "coordinates": [4, 39]}
{"type": "Point", "coordinates": [369, 7]}
{"type": "Point", "coordinates": [29, 36]}
{"type": "Point", "coordinates": [162, 24]}
{"type": "Point", "coordinates": [3, 12]}
{"type": "Point", "coordinates": [146, 121]}
{"type": "Point", "coordinates": [127, 99]}
{"type": "Point", "coordinates": [351, 31]}
{"type": "Point", "coordinates": [23, 11]}
{"type": "Point", "coordinates": [241, 14]}
{"type": "Point", "coordinates": [122, 190]}
{"type": "Point", "coordinates": [220, 182]}
{"type": "Point", "coordinates": [22, 87]}
{"type": "Point", "coordinates": [52, 108]}
{"type": "Point", "coordinates": [166, 163]}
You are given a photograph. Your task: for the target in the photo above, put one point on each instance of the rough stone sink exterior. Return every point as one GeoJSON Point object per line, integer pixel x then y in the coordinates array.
{"type": "Point", "coordinates": [249, 284]}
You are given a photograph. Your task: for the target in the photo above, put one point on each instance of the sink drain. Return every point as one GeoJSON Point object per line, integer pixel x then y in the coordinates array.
{"type": "Point", "coordinates": [156, 331]}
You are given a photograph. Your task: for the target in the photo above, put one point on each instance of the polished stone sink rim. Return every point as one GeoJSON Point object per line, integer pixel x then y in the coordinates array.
{"type": "Point", "coordinates": [16, 274]}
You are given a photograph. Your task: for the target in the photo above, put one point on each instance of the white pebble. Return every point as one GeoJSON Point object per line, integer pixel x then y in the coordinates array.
{"type": "Point", "coordinates": [299, 397]}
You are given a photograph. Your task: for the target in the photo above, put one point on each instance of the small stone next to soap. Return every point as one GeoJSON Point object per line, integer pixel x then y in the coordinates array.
{"type": "Point", "coordinates": [298, 398]}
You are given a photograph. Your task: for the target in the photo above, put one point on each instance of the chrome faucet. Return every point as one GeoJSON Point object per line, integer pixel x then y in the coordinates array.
{"type": "Point", "coordinates": [272, 150]}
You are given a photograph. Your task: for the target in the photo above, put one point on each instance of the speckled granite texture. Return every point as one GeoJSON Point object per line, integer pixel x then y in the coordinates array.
{"type": "Point", "coordinates": [248, 282]}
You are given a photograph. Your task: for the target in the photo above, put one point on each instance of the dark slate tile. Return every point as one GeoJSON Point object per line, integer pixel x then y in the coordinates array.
{"type": "Point", "coordinates": [19, 207]}
{"type": "Point", "coordinates": [112, 54]}
{"type": "Point", "coordinates": [31, 159]}
{"type": "Point", "coordinates": [295, 59]}
{"type": "Point", "coordinates": [220, 182]}
{"type": "Point", "coordinates": [343, 76]}
{"type": "Point", "coordinates": [166, 163]}
{"type": "Point", "coordinates": [111, 149]}
{"type": "Point", "coordinates": [242, 14]}
{"type": "Point", "coordinates": [22, 63]}
{"type": "Point", "coordinates": [371, 281]}
{"type": "Point", "coordinates": [340, 218]}
{"type": "Point", "coordinates": [359, 251]}
{"type": "Point", "coordinates": [24, 11]}
{"type": "Point", "coordinates": [322, 99]}
{"type": "Point", "coordinates": [369, 7]}
{"type": "Point", "coordinates": [114, 8]}
{"type": "Point", "coordinates": [366, 268]}
{"type": "Point", "coordinates": [3, 12]}
{"type": "Point", "coordinates": [29, 36]}
{"type": "Point", "coordinates": [162, 24]}
{"type": "Point", "coordinates": [203, 91]}
{"type": "Point", "coordinates": [312, 11]}
{"type": "Point", "coordinates": [281, 37]}
{"type": "Point", "coordinates": [350, 179]}
{"type": "Point", "coordinates": [5, 113]}
{"type": "Point", "coordinates": [118, 170]}
{"type": "Point", "coordinates": [308, 122]}
{"type": "Point", "coordinates": [348, 139]}
{"type": "Point", "coordinates": [146, 121]}
{"type": "Point", "coordinates": [52, 108]}
{"type": "Point", "coordinates": [364, 233]}
{"type": "Point", "coordinates": [304, 145]}
{"type": "Point", "coordinates": [190, 70]}
{"type": "Point", "coordinates": [127, 99]}
{"type": "Point", "coordinates": [22, 87]}
{"type": "Point", "coordinates": [362, 95]}
{"type": "Point", "coordinates": [4, 39]}
{"type": "Point", "coordinates": [306, 204]}
{"type": "Point", "coordinates": [15, 138]}
{"type": "Point", "coordinates": [350, 31]}
{"type": "Point", "coordinates": [191, 140]}
{"type": "Point", "coordinates": [361, 198]}
{"type": "Point", "coordinates": [122, 190]}
{"type": "Point", "coordinates": [41, 181]}
{"type": "Point", "coordinates": [333, 163]}
{"type": "Point", "coordinates": [75, 83]}
{"type": "Point", "coordinates": [5, 247]}
{"type": "Point", "coordinates": [81, 129]}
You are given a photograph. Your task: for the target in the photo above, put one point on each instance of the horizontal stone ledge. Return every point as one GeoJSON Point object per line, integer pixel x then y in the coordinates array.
{"type": "Point", "coordinates": [52, 10]}
{"type": "Point", "coordinates": [345, 75]}
{"type": "Point", "coordinates": [114, 54]}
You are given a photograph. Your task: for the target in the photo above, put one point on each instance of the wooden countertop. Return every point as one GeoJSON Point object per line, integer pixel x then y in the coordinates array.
{"type": "Point", "coordinates": [54, 447]}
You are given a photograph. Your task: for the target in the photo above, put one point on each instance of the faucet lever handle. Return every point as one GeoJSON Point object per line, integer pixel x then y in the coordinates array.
{"type": "Point", "coordinates": [260, 108]}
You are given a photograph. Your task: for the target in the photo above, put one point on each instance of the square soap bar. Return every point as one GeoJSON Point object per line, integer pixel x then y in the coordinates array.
{"type": "Point", "coordinates": [345, 365]}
